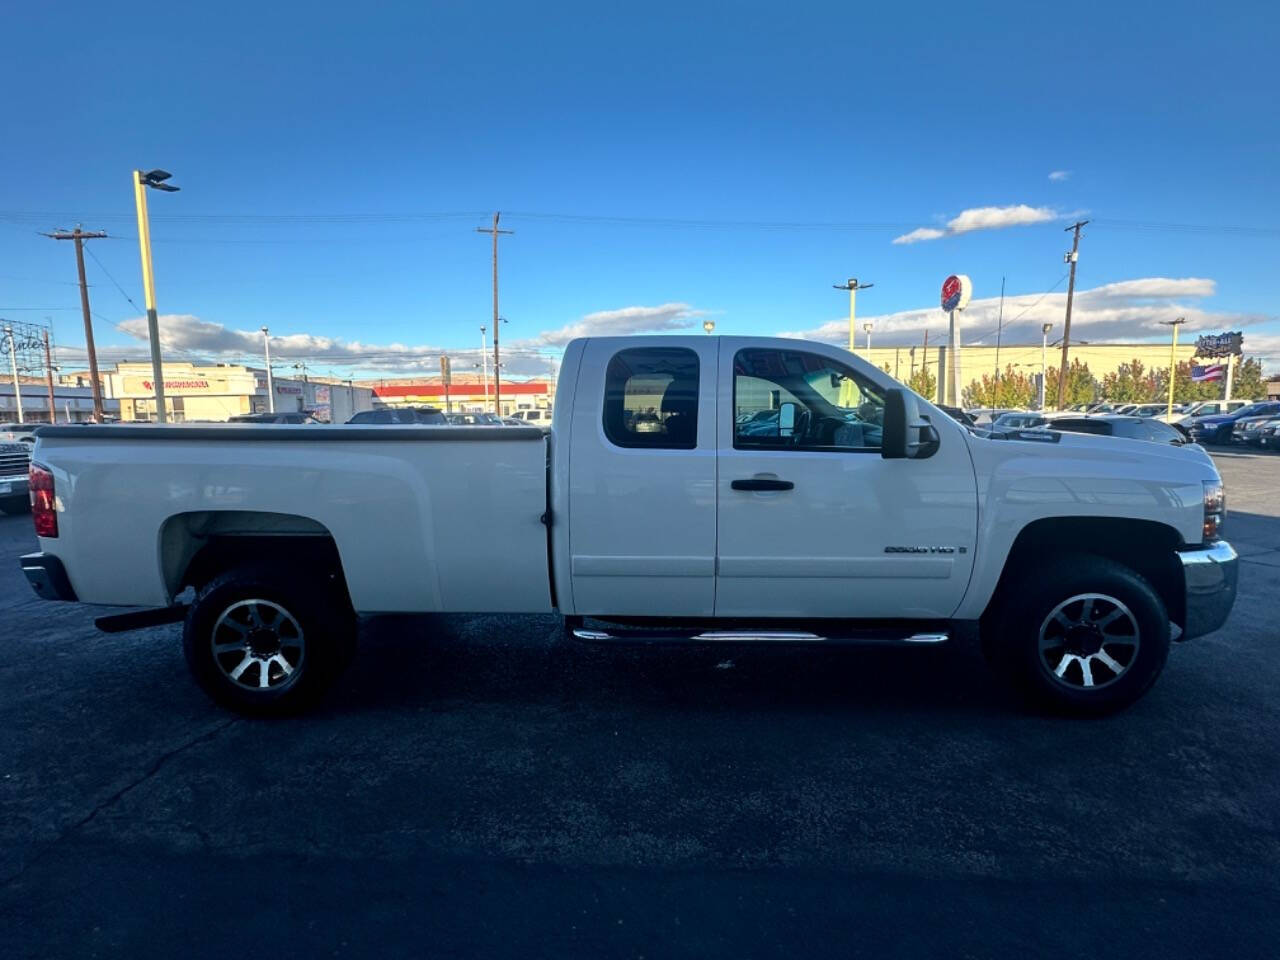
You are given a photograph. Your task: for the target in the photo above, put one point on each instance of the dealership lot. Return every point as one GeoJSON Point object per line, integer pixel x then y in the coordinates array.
{"type": "Point", "coordinates": [483, 786]}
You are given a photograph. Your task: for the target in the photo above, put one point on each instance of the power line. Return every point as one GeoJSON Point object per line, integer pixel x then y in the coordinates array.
{"type": "Point", "coordinates": [112, 279]}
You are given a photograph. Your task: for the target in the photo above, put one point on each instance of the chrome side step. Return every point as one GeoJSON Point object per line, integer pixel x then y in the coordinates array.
{"type": "Point", "coordinates": [753, 636]}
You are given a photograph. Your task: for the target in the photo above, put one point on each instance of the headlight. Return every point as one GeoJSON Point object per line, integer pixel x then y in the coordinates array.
{"type": "Point", "coordinates": [1215, 509]}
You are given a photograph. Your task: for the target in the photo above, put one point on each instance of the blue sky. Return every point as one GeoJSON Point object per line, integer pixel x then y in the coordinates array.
{"type": "Point", "coordinates": [659, 164]}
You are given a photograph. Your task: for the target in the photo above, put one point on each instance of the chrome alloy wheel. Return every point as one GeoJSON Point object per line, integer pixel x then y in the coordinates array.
{"type": "Point", "coordinates": [258, 645]}
{"type": "Point", "coordinates": [1088, 641]}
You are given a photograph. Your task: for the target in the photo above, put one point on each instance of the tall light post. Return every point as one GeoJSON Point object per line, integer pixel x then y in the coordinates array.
{"type": "Point", "coordinates": [484, 361]}
{"type": "Point", "coordinates": [271, 386]}
{"type": "Point", "coordinates": [154, 180]}
{"type": "Point", "coordinates": [1173, 358]}
{"type": "Point", "coordinates": [1044, 353]}
{"type": "Point", "coordinates": [866, 328]}
{"type": "Point", "coordinates": [853, 286]}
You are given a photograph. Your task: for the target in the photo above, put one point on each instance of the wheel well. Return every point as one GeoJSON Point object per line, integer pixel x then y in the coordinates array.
{"type": "Point", "coordinates": [1142, 545]}
{"type": "Point", "coordinates": [196, 547]}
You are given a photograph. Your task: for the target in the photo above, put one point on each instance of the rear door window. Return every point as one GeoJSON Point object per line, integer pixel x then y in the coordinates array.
{"type": "Point", "coordinates": [651, 398]}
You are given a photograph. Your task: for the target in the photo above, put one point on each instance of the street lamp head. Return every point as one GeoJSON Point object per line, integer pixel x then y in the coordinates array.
{"type": "Point", "coordinates": [264, 331]}
{"type": "Point", "coordinates": [166, 187]}
{"type": "Point", "coordinates": [708, 325]}
{"type": "Point", "coordinates": [866, 327]}
{"type": "Point", "coordinates": [1046, 327]}
{"type": "Point", "coordinates": [156, 176]}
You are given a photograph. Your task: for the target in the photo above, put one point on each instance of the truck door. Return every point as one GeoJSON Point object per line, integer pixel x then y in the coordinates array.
{"type": "Point", "coordinates": [642, 472]}
{"type": "Point", "coordinates": [812, 522]}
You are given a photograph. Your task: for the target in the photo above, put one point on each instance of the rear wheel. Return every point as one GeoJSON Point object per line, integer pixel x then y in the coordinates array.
{"type": "Point", "coordinates": [259, 641]}
{"type": "Point", "coordinates": [1083, 635]}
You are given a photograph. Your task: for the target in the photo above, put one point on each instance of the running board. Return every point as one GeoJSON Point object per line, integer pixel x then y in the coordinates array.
{"type": "Point", "coordinates": [755, 636]}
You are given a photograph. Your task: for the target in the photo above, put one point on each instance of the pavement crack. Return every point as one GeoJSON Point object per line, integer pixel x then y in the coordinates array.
{"type": "Point", "coordinates": [156, 766]}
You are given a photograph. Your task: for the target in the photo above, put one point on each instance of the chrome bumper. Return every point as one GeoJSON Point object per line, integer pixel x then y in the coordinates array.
{"type": "Point", "coordinates": [1210, 575]}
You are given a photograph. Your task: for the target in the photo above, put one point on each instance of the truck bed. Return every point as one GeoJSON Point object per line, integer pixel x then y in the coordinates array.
{"type": "Point", "coordinates": [423, 518]}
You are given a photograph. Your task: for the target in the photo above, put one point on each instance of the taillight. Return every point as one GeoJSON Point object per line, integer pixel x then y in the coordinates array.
{"type": "Point", "coordinates": [43, 512]}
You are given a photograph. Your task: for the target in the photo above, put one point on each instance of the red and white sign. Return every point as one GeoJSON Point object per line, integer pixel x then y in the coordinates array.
{"type": "Point", "coordinates": [957, 289]}
{"type": "Point", "coordinates": [1212, 371]}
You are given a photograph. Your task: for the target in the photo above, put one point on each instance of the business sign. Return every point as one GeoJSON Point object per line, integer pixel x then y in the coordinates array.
{"type": "Point", "coordinates": [1203, 374]}
{"type": "Point", "coordinates": [322, 393]}
{"type": "Point", "coordinates": [957, 290]}
{"type": "Point", "coordinates": [285, 388]}
{"type": "Point", "coordinates": [144, 387]}
{"type": "Point", "coordinates": [1220, 344]}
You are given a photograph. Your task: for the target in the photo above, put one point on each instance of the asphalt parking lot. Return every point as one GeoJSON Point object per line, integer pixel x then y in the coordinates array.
{"type": "Point", "coordinates": [482, 786]}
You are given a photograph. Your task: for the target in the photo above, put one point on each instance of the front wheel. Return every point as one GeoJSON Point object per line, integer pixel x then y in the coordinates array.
{"type": "Point", "coordinates": [1081, 635]}
{"type": "Point", "coordinates": [262, 642]}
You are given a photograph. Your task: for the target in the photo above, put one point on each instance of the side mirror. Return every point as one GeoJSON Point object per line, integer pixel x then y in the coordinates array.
{"type": "Point", "coordinates": [906, 434]}
{"type": "Point", "coordinates": [786, 419]}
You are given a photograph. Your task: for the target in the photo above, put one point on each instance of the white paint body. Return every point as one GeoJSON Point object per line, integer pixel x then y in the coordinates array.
{"type": "Point", "coordinates": [452, 525]}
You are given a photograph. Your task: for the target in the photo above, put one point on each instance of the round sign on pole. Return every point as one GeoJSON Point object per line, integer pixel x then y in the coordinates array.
{"type": "Point", "coordinates": [957, 289]}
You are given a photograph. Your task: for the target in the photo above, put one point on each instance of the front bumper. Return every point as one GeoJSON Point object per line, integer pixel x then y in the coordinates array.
{"type": "Point", "coordinates": [47, 576]}
{"type": "Point", "coordinates": [1210, 573]}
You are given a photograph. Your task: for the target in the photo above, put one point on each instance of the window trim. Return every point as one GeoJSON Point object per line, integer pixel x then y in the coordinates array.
{"type": "Point", "coordinates": [620, 442]}
{"type": "Point", "coordinates": [803, 448]}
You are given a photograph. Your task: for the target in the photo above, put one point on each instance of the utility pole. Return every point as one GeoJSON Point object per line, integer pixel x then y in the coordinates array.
{"type": "Point", "coordinates": [1071, 258]}
{"type": "Point", "coordinates": [1173, 358]}
{"type": "Point", "coordinates": [13, 365]}
{"type": "Point", "coordinates": [497, 363]}
{"type": "Point", "coordinates": [271, 386]}
{"type": "Point", "coordinates": [48, 375]}
{"type": "Point", "coordinates": [80, 236]}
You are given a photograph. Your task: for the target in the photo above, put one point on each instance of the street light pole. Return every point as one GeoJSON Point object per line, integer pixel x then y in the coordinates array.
{"type": "Point", "coordinates": [484, 362]}
{"type": "Point", "coordinates": [867, 329]}
{"type": "Point", "coordinates": [1173, 359]}
{"type": "Point", "coordinates": [271, 387]}
{"type": "Point", "coordinates": [853, 286]}
{"type": "Point", "coordinates": [154, 179]}
{"type": "Point", "coordinates": [1044, 353]}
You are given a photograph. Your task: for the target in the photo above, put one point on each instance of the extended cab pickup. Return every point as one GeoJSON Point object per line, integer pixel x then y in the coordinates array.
{"type": "Point", "coordinates": [716, 489]}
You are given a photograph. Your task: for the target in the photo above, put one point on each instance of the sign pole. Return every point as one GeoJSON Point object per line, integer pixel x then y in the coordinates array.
{"type": "Point", "coordinates": [1228, 393]}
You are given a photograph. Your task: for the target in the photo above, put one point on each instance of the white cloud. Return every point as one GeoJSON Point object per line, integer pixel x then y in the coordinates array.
{"type": "Point", "coordinates": [997, 218]}
{"type": "Point", "coordinates": [1057, 176]}
{"type": "Point", "coordinates": [920, 233]}
{"type": "Point", "coordinates": [982, 218]}
{"type": "Point", "coordinates": [1130, 310]}
{"type": "Point", "coordinates": [625, 320]}
{"type": "Point", "coordinates": [187, 337]}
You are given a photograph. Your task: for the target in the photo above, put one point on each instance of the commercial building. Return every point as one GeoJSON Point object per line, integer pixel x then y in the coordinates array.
{"type": "Point", "coordinates": [465, 394]}
{"type": "Point", "coordinates": [217, 392]}
{"type": "Point", "coordinates": [71, 404]}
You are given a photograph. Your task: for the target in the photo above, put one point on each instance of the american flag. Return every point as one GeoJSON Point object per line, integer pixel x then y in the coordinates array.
{"type": "Point", "coordinates": [1212, 371]}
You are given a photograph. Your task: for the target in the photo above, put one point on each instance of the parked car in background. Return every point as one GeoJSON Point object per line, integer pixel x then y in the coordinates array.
{"type": "Point", "coordinates": [1205, 408]}
{"type": "Point", "coordinates": [956, 414]}
{"type": "Point", "coordinates": [292, 416]}
{"type": "Point", "coordinates": [1121, 425]}
{"type": "Point", "coordinates": [1249, 430]}
{"type": "Point", "coordinates": [1149, 409]}
{"type": "Point", "coordinates": [18, 432]}
{"type": "Point", "coordinates": [426, 416]}
{"type": "Point", "coordinates": [474, 419]}
{"type": "Point", "coordinates": [986, 416]}
{"type": "Point", "coordinates": [537, 418]}
{"type": "Point", "coordinates": [15, 461]}
{"type": "Point", "coordinates": [1019, 421]}
{"type": "Point", "coordinates": [513, 422]}
{"type": "Point", "coordinates": [1218, 429]}
{"type": "Point", "coordinates": [1269, 434]}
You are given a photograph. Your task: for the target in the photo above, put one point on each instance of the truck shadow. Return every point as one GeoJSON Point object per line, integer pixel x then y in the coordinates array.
{"type": "Point", "coordinates": [429, 660]}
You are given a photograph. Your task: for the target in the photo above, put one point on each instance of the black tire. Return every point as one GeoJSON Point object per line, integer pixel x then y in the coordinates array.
{"type": "Point", "coordinates": [20, 504]}
{"type": "Point", "coordinates": [1069, 676]}
{"type": "Point", "coordinates": [314, 638]}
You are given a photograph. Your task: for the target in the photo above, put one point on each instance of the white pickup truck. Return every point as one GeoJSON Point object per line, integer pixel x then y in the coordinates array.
{"type": "Point", "coordinates": [713, 489]}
